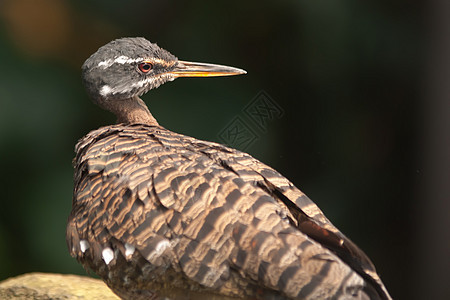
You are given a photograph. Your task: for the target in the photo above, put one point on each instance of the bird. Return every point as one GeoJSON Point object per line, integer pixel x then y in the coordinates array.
{"type": "Point", "coordinates": [161, 215]}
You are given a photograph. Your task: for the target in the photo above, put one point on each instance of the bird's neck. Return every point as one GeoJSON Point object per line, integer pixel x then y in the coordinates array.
{"type": "Point", "coordinates": [131, 111]}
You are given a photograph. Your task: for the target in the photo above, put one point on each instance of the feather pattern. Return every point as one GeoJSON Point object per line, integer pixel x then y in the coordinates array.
{"type": "Point", "coordinates": [187, 218]}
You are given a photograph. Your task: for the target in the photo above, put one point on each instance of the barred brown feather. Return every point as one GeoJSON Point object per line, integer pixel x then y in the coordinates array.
{"type": "Point", "coordinates": [204, 219]}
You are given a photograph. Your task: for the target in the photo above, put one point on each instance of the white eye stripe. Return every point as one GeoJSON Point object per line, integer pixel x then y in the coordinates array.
{"type": "Point", "coordinates": [118, 60]}
{"type": "Point", "coordinates": [106, 90]}
{"type": "Point", "coordinates": [141, 83]}
{"type": "Point", "coordinates": [162, 62]}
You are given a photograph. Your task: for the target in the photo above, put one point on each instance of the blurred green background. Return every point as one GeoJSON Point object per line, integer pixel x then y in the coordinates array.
{"type": "Point", "coordinates": [364, 85]}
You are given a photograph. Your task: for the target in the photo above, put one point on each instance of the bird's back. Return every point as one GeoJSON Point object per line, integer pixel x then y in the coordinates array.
{"type": "Point", "coordinates": [158, 214]}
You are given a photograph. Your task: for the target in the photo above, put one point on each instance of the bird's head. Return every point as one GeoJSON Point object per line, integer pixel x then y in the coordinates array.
{"type": "Point", "coordinates": [129, 67]}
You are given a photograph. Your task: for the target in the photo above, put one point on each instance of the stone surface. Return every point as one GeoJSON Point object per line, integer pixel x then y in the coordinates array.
{"type": "Point", "coordinates": [41, 286]}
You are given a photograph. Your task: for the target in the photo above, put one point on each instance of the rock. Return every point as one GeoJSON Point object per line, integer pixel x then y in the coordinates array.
{"type": "Point", "coordinates": [40, 286]}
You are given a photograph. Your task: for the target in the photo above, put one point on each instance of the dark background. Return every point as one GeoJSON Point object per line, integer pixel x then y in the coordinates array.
{"type": "Point", "coordinates": [364, 86]}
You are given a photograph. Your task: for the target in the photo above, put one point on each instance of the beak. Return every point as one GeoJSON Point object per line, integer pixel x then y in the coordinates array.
{"type": "Point", "coordinates": [194, 69]}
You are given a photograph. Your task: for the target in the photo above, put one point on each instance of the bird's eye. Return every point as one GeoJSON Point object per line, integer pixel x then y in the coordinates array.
{"type": "Point", "coordinates": [145, 67]}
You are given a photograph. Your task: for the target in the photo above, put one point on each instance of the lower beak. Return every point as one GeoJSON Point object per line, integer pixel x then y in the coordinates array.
{"type": "Point", "coordinates": [194, 69]}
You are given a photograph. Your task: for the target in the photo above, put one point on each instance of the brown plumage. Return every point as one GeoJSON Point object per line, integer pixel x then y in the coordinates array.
{"type": "Point", "coordinates": [157, 214]}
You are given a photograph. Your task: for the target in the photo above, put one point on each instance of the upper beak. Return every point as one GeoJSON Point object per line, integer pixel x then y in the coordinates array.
{"type": "Point", "coordinates": [194, 69]}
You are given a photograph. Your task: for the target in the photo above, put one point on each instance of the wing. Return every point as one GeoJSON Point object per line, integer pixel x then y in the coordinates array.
{"type": "Point", "coordinates": [307, 215]}
{"type": "Point", "coordinates": [196, 216]}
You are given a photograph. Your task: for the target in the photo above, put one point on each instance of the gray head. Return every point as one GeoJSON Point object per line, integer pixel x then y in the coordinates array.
{"type": "Point", "coordinates": [126, 68]}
